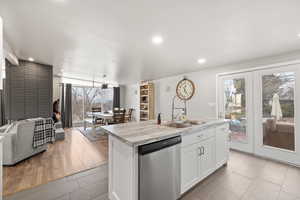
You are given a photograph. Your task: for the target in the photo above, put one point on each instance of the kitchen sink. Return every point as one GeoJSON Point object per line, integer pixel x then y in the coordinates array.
{"type": "Point", "coordinates": [184, 124]}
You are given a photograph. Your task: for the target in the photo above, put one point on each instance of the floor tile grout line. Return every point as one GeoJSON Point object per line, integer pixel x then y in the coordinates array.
{"type": "Point", "coordinates": [281, 188]}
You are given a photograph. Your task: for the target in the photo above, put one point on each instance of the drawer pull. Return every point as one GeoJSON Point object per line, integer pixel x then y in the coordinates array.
{"type": "Point", "coordinates": [200, 136]}
{"type": "Point", "coordinates": [199, 151]}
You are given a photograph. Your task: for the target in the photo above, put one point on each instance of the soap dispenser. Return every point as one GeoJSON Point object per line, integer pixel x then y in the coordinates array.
{"type": "Point", "coordinates": [159, 119]}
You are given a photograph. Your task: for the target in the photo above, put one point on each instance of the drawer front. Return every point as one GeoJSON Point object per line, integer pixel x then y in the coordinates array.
{"type": "Point", "coordinates": [195, 137]}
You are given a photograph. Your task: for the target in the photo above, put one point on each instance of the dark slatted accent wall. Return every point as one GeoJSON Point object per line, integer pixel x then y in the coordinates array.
{"type": "Point", "coordinates": [31, 95]}
{"type": "Point", "coordinates": [44, 77]}
{"type": "Point", "coordinates": [16, 99]}
{"type": "Point", "coordinates": [29, 91]}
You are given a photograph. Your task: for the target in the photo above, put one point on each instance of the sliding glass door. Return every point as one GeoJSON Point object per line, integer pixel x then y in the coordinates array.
{"type": "Point", "coordinates": [77, 104]}
{"type": "Point", "coordinates": [234, 105]}
{"type": "Point", "coordinates": [85, 98]}
{"type": "Point", "coordinates": [276, 109]}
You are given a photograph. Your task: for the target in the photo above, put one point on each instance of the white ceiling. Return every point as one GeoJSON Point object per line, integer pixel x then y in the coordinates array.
{"type": "Point", "coordinates": [89, 38]}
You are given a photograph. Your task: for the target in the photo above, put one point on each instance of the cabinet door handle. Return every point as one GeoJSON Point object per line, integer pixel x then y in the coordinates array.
{"type": "Point", "coordinates": [203, 150]}
{"type": "Point", "coordinates": [199, 151]}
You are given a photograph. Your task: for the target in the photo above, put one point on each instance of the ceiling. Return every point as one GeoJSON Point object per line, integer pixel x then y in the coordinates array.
{"type": "Point", "coordinates": [86, 39]}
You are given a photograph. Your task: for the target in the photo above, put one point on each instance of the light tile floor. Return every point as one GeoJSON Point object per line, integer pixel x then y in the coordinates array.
{"type": "Point", "coordinates": [245, 178]}
{"type": "Point", "coordinates": [249, 178]}
{"type": "Point", "coordinates": [88, 185]}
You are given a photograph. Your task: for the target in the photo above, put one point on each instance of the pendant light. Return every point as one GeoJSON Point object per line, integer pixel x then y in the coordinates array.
{"type": "Point", "coordinates": [104, 85]}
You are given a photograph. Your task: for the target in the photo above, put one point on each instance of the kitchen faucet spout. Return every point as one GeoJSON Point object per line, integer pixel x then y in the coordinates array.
{"type": "Point", "coordinates": [184, 109]}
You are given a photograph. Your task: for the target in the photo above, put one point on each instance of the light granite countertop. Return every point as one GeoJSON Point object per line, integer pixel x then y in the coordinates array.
{"type": "Point", "coordinates": [140, 133]}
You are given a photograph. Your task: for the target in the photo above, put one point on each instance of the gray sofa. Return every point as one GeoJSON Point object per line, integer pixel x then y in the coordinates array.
{"type": "Point", "coordinates": [17, 143]}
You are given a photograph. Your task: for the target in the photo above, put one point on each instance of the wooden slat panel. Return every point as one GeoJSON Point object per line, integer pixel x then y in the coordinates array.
{"type": "Point", "coordinates": [28, 90]}
{"type": "Point", "coordinates": [17, 93]}
{"type": "Point", "coordinates": [45, 91]}
{"type": "Point", "coordinates": [31, 93]}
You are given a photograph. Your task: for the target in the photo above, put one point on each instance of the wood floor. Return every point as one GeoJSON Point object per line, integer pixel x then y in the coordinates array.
{"type": "Point", "coordinates": [76, 153]}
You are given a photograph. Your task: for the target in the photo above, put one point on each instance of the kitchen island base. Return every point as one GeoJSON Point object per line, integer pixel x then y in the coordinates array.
{"type": "Point", "coordinates": [204, 149]}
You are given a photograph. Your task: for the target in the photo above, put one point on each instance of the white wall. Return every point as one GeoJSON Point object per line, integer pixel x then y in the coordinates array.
{"type": "Point", "coordinates": [202, 105]}
{"type": "Point", "coordinates": [56, 88]}
{"type": "Point", "coordinates": [9, 53]}
{"type": "Point", "coordinates": [131, 99]}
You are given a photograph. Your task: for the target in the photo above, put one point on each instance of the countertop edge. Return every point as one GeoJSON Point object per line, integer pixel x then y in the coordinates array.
{"type": "Point", "coordinates": [177, 132]}
{"type": "Point", "coordinates": [117, 136]}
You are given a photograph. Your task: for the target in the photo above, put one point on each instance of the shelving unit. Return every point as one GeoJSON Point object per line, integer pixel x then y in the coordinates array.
{"type": "Point", "coordinates": [146, 101]}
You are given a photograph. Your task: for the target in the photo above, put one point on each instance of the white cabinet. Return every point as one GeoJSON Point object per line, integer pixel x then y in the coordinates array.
{"type": "Point", "coordinates": [207, 157]}
{"type": "Point", "coordinates": [222, 145]}
{"type": "Point", "coordinates": [189, 166]}
{"type": "Point", "coordinates": [202, 153]}
{"type": "Point", "coordinates": [123, 164]}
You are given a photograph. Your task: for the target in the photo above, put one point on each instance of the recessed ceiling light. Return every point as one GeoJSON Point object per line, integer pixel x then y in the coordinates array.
{"type": "Point", "coordinates": [31, 59]}
{"type": "Point", "coordinates": [201, 60]}
{"type": "Point", "coordinates": [157, 39]}
{"type": "Point", "coordinates": [299, 35]}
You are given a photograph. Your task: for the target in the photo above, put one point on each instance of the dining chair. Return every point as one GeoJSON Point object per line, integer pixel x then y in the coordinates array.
{"type": "Point", "coordinates": [119, 115]}
{"type": "Point", "coordinates": [97, 120]}
{"type": "Point", "coordinates": [128, 116]}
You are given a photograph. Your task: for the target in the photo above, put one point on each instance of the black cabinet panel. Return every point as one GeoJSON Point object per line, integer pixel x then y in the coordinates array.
{"type": "Point", "coordinates": [29, 91]}
{"type": "Point", "coordinates": [31, 95]}
{"type": "Point", "coordinates": [16, 101]}
{"type": "Point", "coordinates": [43, 99]}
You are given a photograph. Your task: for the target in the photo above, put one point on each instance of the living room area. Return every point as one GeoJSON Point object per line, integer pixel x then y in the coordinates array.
{"type": "Point", "coordinates": [52, 124]}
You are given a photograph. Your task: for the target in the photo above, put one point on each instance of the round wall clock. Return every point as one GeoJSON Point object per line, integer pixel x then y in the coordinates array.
{"type": "Point", "coordinates": [185, 89]}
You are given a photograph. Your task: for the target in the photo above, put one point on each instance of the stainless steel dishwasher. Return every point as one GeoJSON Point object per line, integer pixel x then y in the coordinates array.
{"type": "Point", "coordinates": [159, 170]}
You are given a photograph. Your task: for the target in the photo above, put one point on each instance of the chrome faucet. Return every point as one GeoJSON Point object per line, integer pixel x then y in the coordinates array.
{"type": "Point", "coordinates": [177, 108]}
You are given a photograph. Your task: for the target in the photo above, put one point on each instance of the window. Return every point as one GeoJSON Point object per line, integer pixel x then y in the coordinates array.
{"type": "Point", "coordinates": [85, 98]}
{"type": "Point", "coordinates": [77, 104]}
{"type": "Point", "coordinates": [278, 105]}
{"type": "Point", "coordinates": [235, 108]}
{"type": "Point", "coordinates": [97, 97]}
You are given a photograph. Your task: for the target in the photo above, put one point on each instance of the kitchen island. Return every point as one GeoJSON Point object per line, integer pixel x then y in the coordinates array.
{"type": "Point", "coordinates": [204, 148]}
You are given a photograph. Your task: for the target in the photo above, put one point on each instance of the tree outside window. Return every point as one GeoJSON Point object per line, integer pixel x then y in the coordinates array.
{"type": "Point", "coordinates": [85, 98]}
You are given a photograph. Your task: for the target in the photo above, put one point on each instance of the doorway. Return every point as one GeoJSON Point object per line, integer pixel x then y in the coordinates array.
{"type": "Point", "coordinates": [235, 104]}
{"type": "Point", "coordinates": [262, 111]}
{"type": "Point", "coordinates": [276, 116]}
